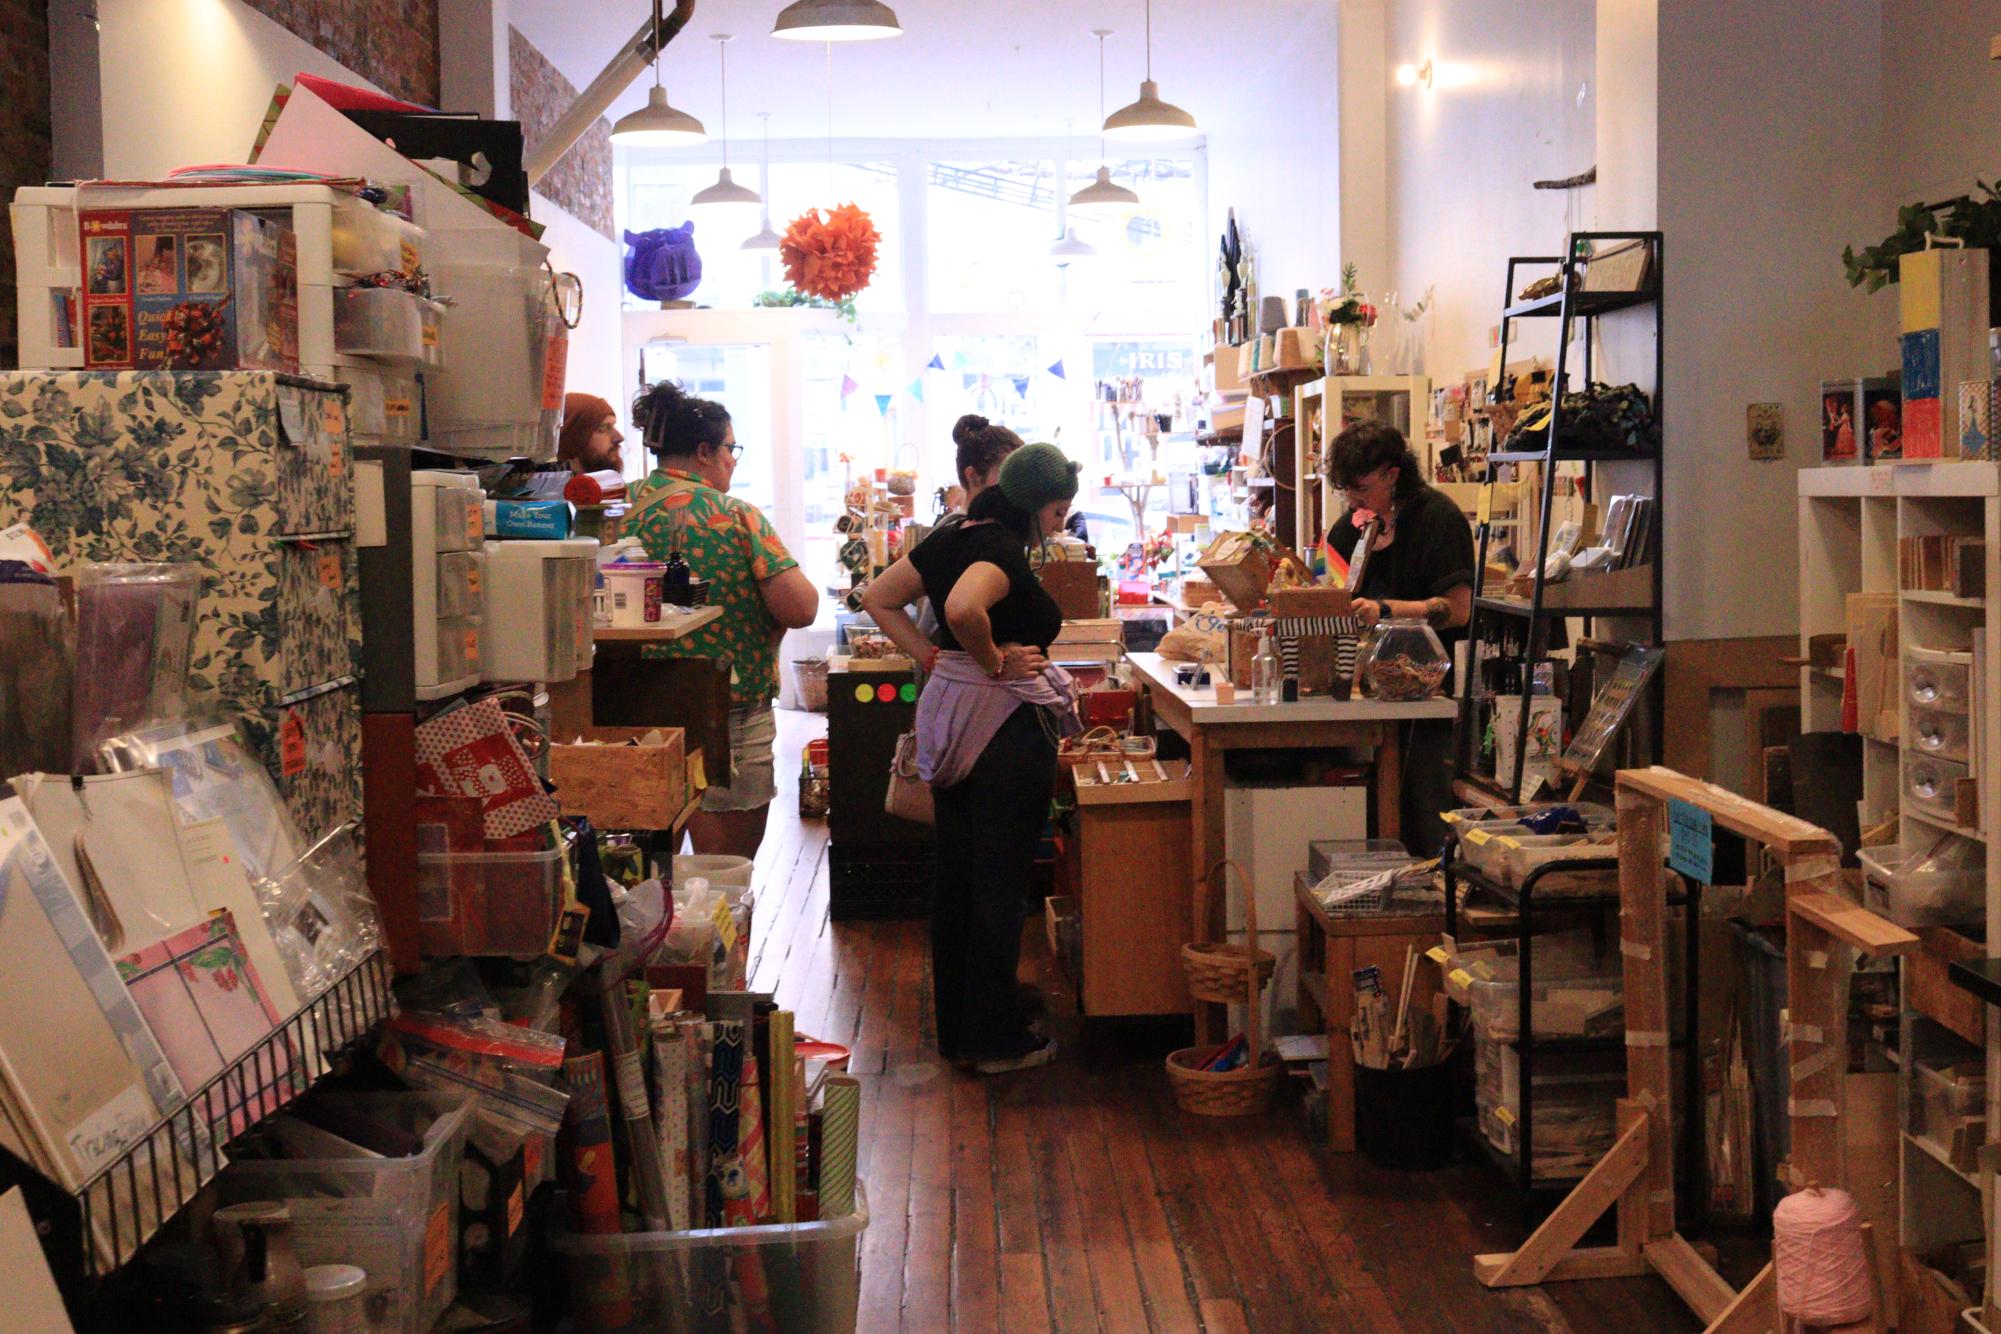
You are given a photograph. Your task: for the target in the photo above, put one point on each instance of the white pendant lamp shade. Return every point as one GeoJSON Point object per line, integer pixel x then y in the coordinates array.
{"type": "Point", "coordinates": [1103, 193]}
{"type": "Point", "coordinates": [836, 21]}
{"type": "Point", "coordinates": [1069, 247]}
{"type": "Point", "coordinates": [725, 191]}
{"type": "Point", "coordinates": [658, 125]}
{"type": "Point", "coordinates": [1149, 120]}
{"type": "Point", "coordinates": [764, 240]}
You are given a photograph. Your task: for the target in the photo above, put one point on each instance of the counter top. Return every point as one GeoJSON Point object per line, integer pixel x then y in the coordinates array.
{"type": "Point", "coordinates": [1203, 708]}
{"type": "Point", "coordinates": [672, 625]}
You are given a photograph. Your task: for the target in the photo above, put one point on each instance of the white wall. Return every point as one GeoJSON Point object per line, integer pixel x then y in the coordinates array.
{"type": "Point", "coordinates": [189, 81]}
{"type": "Point", "coordinates": [1943, 101]}
{"type": "Point", "coordinates": [1767, 168]}
{"type": "Point", "coordinates": [596, 345]}
{"type": "Point", "coordinates": [1503, 111]}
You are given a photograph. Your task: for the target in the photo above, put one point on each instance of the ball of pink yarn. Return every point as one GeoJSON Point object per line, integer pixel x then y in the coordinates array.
{"type": "Point", "coordinates": [1820, 1258]}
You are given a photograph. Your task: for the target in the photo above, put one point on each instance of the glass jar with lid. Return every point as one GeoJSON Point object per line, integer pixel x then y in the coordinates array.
{"type": "Point", "coordinates": [1403, 660]}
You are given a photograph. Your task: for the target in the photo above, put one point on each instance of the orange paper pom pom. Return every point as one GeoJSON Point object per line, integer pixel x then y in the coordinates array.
{"type": "Point", "coordinates": [831, 257]}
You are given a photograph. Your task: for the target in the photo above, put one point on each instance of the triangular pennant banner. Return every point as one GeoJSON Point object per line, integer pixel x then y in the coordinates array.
{"type": "Point", "coordinates": [937, 363]}
{"type": "Point", "coordinates": [917, 389]}
{"type": "Point", "coordinates": [1056, 369]}
{"type": "Point", "coordinates": [959, 360]}
{"type": "Point", "coordinates": [969, 379]}
{"type": "Point", "coordinates": [882, 403]}
{"type": "Point", "coordinates": [1020, 385]}
{"type": "Point", "coordinates": [848, 386]}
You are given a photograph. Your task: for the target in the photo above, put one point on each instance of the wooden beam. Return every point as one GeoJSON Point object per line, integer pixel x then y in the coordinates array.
{"type": "Point", "coordinates": [1849, 922]}
{"type": "Point", "coordinates": [1643, 945]}
{"type": "Point", "coordinates": [1817, 1052]}
{"type": "Point", "coordinates": [1634, 1219]}
{"type": "Point", "coordinates": [1782, 833]}
{"type": "Point", "coordinates": [1755, 1311]}
{"type": "Point", "coordinates": [1566, 1225]}
{"type": "Point", "coordinates": [1689, 1275]}
{"type": "Point", "coordinates": [1591, 1262]}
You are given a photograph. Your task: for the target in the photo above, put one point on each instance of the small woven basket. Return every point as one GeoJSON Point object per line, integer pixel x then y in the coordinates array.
{"type": "Point", "coordinates": [1217, 970]}
{"type": "Point", "coordinates": [1246, 1091]}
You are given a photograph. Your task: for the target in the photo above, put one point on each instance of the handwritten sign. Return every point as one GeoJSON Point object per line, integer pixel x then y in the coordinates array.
{"type": "Point", "coordinates": [1691, 841]}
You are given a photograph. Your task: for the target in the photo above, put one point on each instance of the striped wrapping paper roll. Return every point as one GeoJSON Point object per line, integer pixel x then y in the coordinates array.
{"type": "Point", "coordinates": [840, 1137]}
{"type": "Point", "coordinates": [673, 1046]}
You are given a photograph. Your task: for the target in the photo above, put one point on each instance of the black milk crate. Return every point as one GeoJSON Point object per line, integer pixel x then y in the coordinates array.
{"type": "Point", "coordinates": [876, 881]}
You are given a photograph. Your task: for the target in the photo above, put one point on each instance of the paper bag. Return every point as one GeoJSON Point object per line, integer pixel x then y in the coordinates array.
{"type": "Point", "coordinates": [472, 752]}
{"type": "Point", "coordinates": [1872, 635]}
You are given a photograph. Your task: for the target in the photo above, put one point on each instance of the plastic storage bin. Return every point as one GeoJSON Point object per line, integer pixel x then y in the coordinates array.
{"type": "Point", "coordinates": [367, 240]}
{"type": "Point", "coordinates": [1936, 680]}
{"type": "Point", "coordinates": [459, 647]}
{"type": "Point", "coordinates": [1938, 896]}
{"type": "Point", "coordinates": [1367, 855]}
{"type": "Point", "coordinates": [1935, 732]}
{"type": "Point", "coordinates": [488, 902]}
{"type": "Point", "coordinates": [537, 589]}
{"type": "Point", "coordinates": [1559, 1007]}
{"type": "Point", "coordinates": [1576, 1115]}
{"type": "Point", "coordinates": [1949, 1108]}
{"type": "Point", "coordinates": [397, 1218]}
{"type": "Point", "coordinates": [1930, 784]}
{"type": "Point", "coordinates": [461, 583]}
{"type": "Point", "coordinates": [807, 1273]}
{"type": "Point", "coordinates": [1500, 846]}
{"type": "Point", "coordinates": [461, 517]}
{"type": "Point", "coordinates": [387, 324]}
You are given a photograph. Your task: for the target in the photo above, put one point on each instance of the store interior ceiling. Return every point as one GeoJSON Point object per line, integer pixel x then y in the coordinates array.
{"type": "Point", "coordinates": [963, 69]}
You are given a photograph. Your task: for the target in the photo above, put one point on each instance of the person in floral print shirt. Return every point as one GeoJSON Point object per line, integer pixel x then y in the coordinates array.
{"type": "Point", "coordinates": [685, 506]}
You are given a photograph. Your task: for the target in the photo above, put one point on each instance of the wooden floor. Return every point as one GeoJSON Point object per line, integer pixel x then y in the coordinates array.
{"type": "Point", "coordinates": [1077, 1197]}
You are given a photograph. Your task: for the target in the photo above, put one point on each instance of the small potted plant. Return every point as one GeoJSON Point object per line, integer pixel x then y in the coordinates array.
{"type": "Point", "coordinates": [1348, 317]}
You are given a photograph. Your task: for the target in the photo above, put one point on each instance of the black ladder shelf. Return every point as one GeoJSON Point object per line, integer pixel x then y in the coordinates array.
{"type": "Point", "coordinates": [1501, 619]}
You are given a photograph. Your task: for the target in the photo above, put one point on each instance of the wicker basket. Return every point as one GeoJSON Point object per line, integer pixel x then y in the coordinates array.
{"type": "Point", "coordinates": [1242, 1092]}
{"type": "Point", "coordinates": [1217, 970]}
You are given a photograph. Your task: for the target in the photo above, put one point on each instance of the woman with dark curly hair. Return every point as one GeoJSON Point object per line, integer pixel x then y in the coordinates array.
{"type": "Point", "coordinates": [685, 506]}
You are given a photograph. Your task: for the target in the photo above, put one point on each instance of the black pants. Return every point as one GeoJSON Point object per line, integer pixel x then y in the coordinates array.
{"type": "Point", "coordinates": [988, 827]}
{"type": "Point", "coordinates": [1427, 784]}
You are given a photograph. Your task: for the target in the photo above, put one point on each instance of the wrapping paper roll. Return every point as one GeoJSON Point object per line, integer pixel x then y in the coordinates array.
{"type": "Point", "coordinates": [840, 1138]}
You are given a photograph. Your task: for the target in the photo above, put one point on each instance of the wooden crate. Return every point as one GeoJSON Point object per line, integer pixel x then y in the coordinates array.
{"type": "Point", "coordinates": [1133, 893]}
{"type": "Point", "coordinates": [621, 786]}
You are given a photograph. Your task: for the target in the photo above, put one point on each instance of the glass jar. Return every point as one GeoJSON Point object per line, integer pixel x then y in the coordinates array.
{"type": "Point", "coordinates": [1403, 660]}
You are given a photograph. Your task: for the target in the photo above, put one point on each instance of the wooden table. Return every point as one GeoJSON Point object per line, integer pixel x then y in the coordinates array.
{"type": "Point", "coordinates": [673, 625]}
{"type": "Point", "coordinates": [1212, 730]}
{"type": "Point", "coordinates": [1330, 950]}
{"type": "Point", "coordinates": [625, 687]}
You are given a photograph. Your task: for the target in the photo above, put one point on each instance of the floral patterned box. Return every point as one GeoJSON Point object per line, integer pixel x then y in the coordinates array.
{"type": "Point", "coordinates": [312, 747]}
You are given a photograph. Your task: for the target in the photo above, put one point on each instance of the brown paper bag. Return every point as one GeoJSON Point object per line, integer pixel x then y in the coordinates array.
{"type": "Point", "coordinates": [1872, 633]}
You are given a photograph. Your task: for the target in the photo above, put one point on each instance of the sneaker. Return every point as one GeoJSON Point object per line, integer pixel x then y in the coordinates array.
{"type": "Point", "coordinates": [1041, 1054]}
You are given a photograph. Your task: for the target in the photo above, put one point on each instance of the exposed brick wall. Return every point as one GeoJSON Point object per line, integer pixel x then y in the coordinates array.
{"type": "Point", "coordinates": [391, 43]}
{"type": "Point", "coordinates": [581, 181]}
{"type": "Point", "coordinates": [25, 147]}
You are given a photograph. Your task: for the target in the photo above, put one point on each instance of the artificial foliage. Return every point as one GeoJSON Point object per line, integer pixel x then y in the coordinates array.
{"type": "Point", "coordinates": [1974, 220]}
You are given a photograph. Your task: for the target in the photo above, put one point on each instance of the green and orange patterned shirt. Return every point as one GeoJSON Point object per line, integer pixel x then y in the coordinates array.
{"type": "Point", "coordinates": [732, 545]}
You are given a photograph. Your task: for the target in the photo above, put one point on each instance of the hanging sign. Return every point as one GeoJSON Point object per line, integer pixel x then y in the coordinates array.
{"type": "Point", "coordinates": [1691, 841]}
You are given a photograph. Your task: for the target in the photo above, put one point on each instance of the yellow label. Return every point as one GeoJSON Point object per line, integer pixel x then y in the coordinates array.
{"type": "Point", "coordinates": [1451, 817]}
{"type": "Point", "coordinates": [725, 924]}
{"type": "Point", "coordinates": [698, 777]}
{"type": "Point", "coordinates": [1478, 837]}
{"type": "Point", "coordinates": [410, 258]}
{"type": "Point", "coordinates": [1484, 512]}
{"type": "Point", "coordinates": [1437, 954]}
{"type": "Point", "coordinates": [430, 332]}
{"type": "Point", "coordinates": [397, 407]}
{"type": "Point", "coordinates": [1459, 977]}
{"type": "Point", "coordinates": [1508, 841]}
{"type": "Point", "coordinates": [1919, 279]}
{"type": "Point", "coordinates": [1504, 1116]}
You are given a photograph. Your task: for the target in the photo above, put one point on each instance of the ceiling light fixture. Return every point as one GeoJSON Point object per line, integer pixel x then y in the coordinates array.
{"type": "Point", "coordinates": [725, 191]}
{"type": "Point", "coordinates": [1149, 119]}
{"type": "Point", "coordinates": [657, 124]}
{"type": "Point", "coordinates": [836, 21]}
{"type": "Point", "coordinates": [1069, 247]}
{"type": "Point", "coordinates": [766, 238]}
{"type": "Point", "coordinates": [1409, 76]}
{"type": "Point", "coordinates": [1102, 192]}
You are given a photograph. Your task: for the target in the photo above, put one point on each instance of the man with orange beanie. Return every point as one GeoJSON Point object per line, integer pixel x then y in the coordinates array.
{"type": "Point", "coordinates": [591, 438]}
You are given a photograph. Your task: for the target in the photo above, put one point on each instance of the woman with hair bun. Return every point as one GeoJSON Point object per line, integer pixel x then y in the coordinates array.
{"type": "Point", "coordinates": [685, 506]}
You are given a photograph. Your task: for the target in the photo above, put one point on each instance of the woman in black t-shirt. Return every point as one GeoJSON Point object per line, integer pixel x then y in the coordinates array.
{"type": "Point", "coordinates": [1420, 567]}
{"type": "Point", "coordinates": [987, 725]}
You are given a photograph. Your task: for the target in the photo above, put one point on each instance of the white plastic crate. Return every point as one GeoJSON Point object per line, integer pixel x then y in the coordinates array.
{"type": "Point", "coordinates": [1919, 886]}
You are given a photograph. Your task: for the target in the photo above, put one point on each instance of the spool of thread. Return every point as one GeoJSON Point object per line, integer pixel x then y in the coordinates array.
{"type": "Point", "coordinates": [1820, 1258]}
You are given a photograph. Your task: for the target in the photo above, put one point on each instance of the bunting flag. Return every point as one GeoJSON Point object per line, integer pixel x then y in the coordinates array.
{"type": "Point", "coordinates": [1020, 384]}
{"type": "Point", "coordinates": [968, 380]}
{"type": "Point", "coordinates": [1057, 369]}
{"type": "Point", "coordinates": [917, 389]}
{"type": "Point", "coordinates": [937, 363]}
{"type": "Point", "coordinates": [848, 386]}
{"type": "Point", "coordinates": [959, 361]}
{"type": "Point", "coordinates": [882, 403]}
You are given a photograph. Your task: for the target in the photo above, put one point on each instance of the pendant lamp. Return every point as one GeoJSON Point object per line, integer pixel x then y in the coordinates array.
{"type": "Point", "coordinates": [657, 124]}
{"type": "Point", "coordinates": [725, 191]}
{"type": "Point", "coordinates": [1102, 192]}
{"type": "Point", "coordinates": [1149, 119]}
{"type": "Point", "coordinates": [766, 238]}
{"type": "Point", "coordinates": [1068, 247]}
{"type": "Point", "coordinates": [836, 21]}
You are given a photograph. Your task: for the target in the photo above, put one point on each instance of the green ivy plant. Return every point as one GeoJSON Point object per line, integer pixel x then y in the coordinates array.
{"type": "Point", "coordinates": [792, 296]}
{"type": "Point", "coordinates": [1974, 219]}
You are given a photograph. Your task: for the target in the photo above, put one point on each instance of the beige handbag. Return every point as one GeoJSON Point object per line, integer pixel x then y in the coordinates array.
{"type": "Point", "coordinates": [908, 796]}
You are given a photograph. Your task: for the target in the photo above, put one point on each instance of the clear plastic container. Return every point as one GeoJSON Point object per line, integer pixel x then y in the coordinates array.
{"type": "Point", "coordinates": [1937, 733]}
{"type": "Point", "coordinates": [368, 240]}
{"type": "Point", "coordinates": [396, 1218]}
{"type": "Point", "coordinates": [1499, 845]}
{"type": "Point", "coordinates": [1559, 1007]}
{"type": "Point", "coordinates": [1949, 1108]}
{"type": "Point", "coordinates": [1934, 679]}
{"type": "Point", "coordinates": [460, 580]}
{"type": "Point", "coordinates": [798, 1277]}
{"type": "Point", "coordinates": [1325, 855]}
{"type": "Point", "coordinates": [1558, 954]}
{"type": "Point", "coordinates": [386, 324]}
{"type": "Point", "coordinates": [1576, 1113]}
{"type": "Point", "coordinates": [1939, 884]}
{"type": "Point", "coordinates": [1930, 785]}
{"type": "Point", "coordinates": [461, 523]}
{"type": "Point", "coordinates": [477, 903]}
{"type": "Point", "coordinates": [1403, 660]}
{"type": "Point", "coordinates": [458, 647]}
{"type": "Point", "coordinates": [383, 404]}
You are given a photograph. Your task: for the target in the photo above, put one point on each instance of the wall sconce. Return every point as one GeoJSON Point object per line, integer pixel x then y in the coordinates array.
{"type": "Point", "coordinates": [1411, 75]}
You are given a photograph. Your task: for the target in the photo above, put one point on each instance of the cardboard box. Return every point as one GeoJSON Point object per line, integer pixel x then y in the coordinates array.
{"type": "Point", "coordinates": [188, 289]}
{"type": "Point", "coordinates": [621, 786]}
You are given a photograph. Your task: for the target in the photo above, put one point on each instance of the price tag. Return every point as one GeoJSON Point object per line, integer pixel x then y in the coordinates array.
{"type": "Point", "coordinates": [1505, 1116]}
{"type": "Point", "coordinates": [437, 1247]}
{"type": "Point", "coordinates": [337, 459]}
{"type": "Point", "coordinates": [555, 366]}
{"type": "Point", "coordinates": [333, 416]}
{"type": "Point", "coordinates": [475, 524]}
{"type": "Point", "coordinates": [473, 577]}
{"type": "Point", "coordinates": [291, 746]}
{"type": "Point", "coordinates": [411, 260]}
{"type": "Point", "coordinates": [430, 328]}
{"type": "Point", "coordinates": [1691, 841]}
{"type": "Point", "coordinates": [472, 649]}
{"type": "Point", "coordinates": [1882, 481]}
{"type": "Point", "coordinates": [1459, 977]}
{"type": "Point", "coordinates": [1437, 954]}
{"type": "Point", "coordinates": [515, 1210]}
{"type": "Point", "coordinates": [1484, 512]}
{"type": "Point", "coordinates": [399, 408]}
{"type": "Point", "coordinates": [330, 570]}
{"type": "Point", "coordinates": [1478, 837]}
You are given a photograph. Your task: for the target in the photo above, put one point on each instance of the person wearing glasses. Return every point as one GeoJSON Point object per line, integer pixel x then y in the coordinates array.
{"type": "Point", "coordinates": [685, 506]}
{"type": "Point", "coordinates": [1420, 567]}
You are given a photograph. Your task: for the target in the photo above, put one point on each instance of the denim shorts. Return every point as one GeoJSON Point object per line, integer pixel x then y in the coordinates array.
{"type": "Point", "coordinates": [753, 778]}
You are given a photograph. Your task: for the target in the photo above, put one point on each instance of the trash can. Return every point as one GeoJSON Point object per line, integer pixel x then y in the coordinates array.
{"type": "Point", "coordinates": [1403, 1118]}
